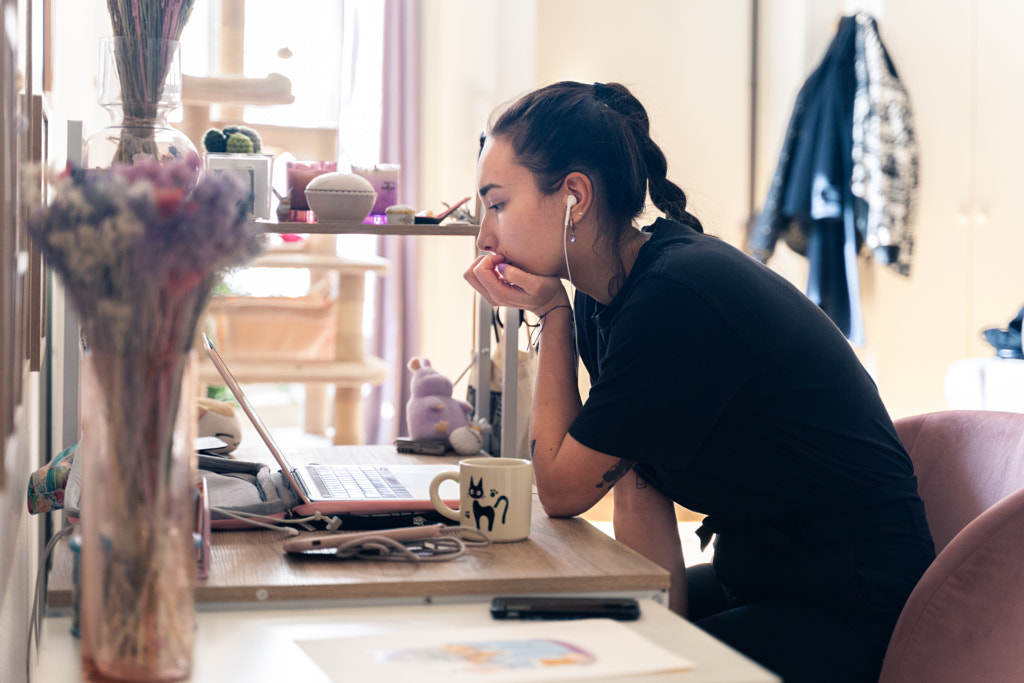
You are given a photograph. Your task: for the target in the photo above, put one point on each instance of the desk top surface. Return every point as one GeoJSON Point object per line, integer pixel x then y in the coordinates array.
{"type": "Point", "coordinates": [560, 556]}
{"type": "Point", "coordinates": [263, 645]}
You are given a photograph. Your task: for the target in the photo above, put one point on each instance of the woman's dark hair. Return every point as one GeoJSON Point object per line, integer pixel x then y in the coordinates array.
{"type": "Point", "coordinates": [600, 130]}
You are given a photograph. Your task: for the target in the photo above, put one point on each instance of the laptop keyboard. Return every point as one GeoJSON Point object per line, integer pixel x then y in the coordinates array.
{"type": "Point", "coordinates": [370, 482]}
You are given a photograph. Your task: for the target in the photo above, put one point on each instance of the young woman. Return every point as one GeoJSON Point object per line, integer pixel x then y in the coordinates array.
{"type": "Point", "coordinates": [715, 384]}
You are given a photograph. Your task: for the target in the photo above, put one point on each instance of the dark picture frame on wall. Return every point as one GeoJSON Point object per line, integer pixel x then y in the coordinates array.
{"type": "Point", "coordinates": [9, 78]}
{"type": "Point", "coordinates": [23, 144]}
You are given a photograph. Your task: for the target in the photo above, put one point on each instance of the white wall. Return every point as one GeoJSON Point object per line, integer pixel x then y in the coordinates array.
{"type": "Point", "coordinates": [476, 54]}
{"type": "Point", "coordinates": [19, 534]}
{"type": "Point", "coordinates": [689, 64]}
{"type": "Point", "coordinates": [77, 27]}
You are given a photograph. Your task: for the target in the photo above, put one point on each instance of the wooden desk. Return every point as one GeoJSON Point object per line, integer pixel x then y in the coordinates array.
{"type": "Point", "coordinates": [258, 601]}
{"type": "Point", "coordinates": [260, 645]}
{"type": "Point", "coordinates": [560, 556]}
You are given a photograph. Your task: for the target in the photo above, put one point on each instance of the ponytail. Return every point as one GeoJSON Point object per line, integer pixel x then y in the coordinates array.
{"type": "Point", "coordinates": [668, 197]}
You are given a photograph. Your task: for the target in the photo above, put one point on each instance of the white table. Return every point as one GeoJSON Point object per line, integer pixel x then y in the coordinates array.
{"type": "Point", "coordinates": [259, 645]}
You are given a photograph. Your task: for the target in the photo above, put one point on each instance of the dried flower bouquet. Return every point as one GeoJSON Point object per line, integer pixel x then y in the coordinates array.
{"type": "Point", "coordinates": [139, 249]}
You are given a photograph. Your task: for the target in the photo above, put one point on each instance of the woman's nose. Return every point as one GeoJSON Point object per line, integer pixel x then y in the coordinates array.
{"type": "Point", "coordinates": [485, 238]}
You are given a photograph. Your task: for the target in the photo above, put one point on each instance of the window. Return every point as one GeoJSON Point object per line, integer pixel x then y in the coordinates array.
{"type": "Point", "coordinates": [332, 52]}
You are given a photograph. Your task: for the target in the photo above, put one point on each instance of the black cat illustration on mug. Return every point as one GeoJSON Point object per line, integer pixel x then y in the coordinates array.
{"type": "Point", "coordinates": [476, 492]}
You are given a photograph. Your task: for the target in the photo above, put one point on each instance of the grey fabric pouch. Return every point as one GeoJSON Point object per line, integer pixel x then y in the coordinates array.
{"type": "Point", "coordinates": [235, 486]}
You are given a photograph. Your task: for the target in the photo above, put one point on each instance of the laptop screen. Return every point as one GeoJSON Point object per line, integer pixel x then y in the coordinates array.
{"type": "Point", "coordinates": [250, 412]}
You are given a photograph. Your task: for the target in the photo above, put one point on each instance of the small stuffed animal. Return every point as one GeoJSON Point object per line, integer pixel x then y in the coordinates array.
{"type": "Point", "coordinates": [468, 440]}
{"type": "Point", "coordinates": [433, 415]}
{"type": "Point", "coordinates": [219, 419]}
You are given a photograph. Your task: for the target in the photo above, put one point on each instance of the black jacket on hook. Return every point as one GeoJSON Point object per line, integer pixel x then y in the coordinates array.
{"type": "Point", "coordinates": [847, 174]}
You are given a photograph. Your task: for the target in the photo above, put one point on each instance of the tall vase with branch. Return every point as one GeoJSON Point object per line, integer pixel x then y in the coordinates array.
{"type": "Point", "coordinates": [139, 249]}
{"type": "Point", "coordinates": [139, 83]}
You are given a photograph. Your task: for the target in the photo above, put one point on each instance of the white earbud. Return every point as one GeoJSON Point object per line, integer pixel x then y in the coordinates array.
{"type": "Point", "coordinates": [570, 202]}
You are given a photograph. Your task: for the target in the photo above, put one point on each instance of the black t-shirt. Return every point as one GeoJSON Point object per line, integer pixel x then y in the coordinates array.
{"type": "Point", "coordinates": [736, 395]}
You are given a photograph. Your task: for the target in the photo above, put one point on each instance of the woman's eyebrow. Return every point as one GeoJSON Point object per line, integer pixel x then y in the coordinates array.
{"type": "Point", "coordinates": [487, 188]}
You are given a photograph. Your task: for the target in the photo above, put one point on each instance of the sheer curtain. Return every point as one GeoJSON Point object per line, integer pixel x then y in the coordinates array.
{"type": "Point", "coordinates": [396, 321]}
{"type": "Point", "coordinates": [352, 64]}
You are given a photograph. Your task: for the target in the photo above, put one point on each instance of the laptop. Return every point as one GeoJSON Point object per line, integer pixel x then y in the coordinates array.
{"type": "Point", "coordinates": [344, 488]}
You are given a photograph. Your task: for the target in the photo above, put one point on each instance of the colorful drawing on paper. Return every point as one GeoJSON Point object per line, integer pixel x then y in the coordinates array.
{"type": "Point", "coordinates": [494, 655]}
{"type": "Point", "coordinates": [516, 652]}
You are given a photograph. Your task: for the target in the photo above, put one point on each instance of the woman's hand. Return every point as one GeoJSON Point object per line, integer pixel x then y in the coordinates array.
{"type": "Point", "coordinates": [501, 284]}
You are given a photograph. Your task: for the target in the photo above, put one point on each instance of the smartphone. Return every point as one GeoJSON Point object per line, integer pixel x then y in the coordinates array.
{"type": "Point", "coordinates": [553, 607]}
{"type": "Point", "coordinates": [421, 446]}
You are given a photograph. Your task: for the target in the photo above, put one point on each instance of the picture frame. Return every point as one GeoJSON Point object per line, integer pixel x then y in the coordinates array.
{"type": "Point", "coordinates": [254, 170]}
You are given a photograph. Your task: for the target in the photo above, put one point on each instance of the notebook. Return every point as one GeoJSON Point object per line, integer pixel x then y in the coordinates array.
{"type": "Point", "coordinates": [341, 488]}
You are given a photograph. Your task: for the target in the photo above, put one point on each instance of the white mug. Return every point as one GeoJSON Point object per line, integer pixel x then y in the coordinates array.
{"type": "Point", "coordinates": [495, 495]}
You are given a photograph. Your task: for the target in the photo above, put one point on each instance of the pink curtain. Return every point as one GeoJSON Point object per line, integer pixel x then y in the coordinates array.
{"type": "Point", "coordinates": [396, 320]}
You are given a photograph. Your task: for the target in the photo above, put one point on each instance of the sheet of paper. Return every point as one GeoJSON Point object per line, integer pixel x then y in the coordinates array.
{"type": "Point", "coordinates": [520, 651]}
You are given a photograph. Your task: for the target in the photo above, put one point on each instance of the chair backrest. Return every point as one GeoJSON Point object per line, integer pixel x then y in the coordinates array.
{"type": "Point", "coordinates": [965, 461]}
{"type": "Point", "coordinates": [964, 621]}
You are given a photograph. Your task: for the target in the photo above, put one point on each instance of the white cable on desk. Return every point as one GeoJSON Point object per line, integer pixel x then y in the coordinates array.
{"type": "Point", "coordinates": [275, 523]}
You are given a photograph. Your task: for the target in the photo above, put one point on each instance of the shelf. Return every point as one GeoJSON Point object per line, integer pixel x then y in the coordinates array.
{"type": "Point", "coordinates": [509, 422]}
{"type": "Point", "coordinates": [371, 370]}
{"type": "Point", "coordinates": [360, 228]}
{"type": "Point", "coordinates": [341, 264]}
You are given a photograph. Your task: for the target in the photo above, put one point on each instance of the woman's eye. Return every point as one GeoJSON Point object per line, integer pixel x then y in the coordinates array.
{"type": "Point", "coordinates": [496, 206]}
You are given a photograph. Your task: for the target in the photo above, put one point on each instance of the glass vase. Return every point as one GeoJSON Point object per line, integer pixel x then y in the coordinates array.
{"type": "Point", "coordinates": [138, 557]}
{"type": "Point", "coordinates": [139, 84]}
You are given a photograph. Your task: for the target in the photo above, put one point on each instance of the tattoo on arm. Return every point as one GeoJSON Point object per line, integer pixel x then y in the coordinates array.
{"type": "Point", "coordinates": [617, 471]}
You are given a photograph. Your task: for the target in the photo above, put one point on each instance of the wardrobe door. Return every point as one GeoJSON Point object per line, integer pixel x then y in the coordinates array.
{"type": "Point", "coordinates": [996, 255]}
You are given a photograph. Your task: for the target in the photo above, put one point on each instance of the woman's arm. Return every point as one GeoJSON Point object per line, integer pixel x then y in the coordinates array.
{"type": "Point", "coordinates": [570, 477]}
{"type": "Point", "coordinates": [645, 520]}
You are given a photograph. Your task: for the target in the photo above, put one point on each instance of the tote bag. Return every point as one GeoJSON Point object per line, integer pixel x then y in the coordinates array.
{"type": "Point", "coordinates": [527, 375]}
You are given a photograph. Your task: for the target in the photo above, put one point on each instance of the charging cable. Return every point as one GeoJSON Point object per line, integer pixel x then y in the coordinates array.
{"type": "Point", "coordinates": [278, 524]}
{"type": "Point", "coordinates": [431, 543]}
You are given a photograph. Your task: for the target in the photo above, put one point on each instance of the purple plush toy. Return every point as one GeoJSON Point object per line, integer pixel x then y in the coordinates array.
{"type": "Point", "coordinates": [433, 414]}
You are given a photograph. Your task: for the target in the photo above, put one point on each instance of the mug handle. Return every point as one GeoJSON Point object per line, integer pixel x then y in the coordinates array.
{"type": "Point", "coordinates": [435, 495]}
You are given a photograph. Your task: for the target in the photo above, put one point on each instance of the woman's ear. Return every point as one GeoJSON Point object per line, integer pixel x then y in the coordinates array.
{"type": "Point", "coordinates": [579, 186]}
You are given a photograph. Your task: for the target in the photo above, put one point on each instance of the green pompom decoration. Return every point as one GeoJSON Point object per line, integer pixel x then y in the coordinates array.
{"type": "Point", "coordinates": [257, 143]}
{"type": "Point", "coordinates": [232, 140]}
{"type": "Point", "coordinates": [215, 142]}
{"type": "Point", "coordinates": [239, 143]}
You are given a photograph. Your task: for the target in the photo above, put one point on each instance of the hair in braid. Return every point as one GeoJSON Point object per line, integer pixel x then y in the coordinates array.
{"type": "Point", "coordinates": [602, 131]}
{"type": "Point", "coordinates": [665, 194]}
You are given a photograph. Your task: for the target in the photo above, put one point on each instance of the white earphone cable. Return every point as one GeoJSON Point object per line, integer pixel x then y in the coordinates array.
{"type": "Point", "coordinates": [570, 202]}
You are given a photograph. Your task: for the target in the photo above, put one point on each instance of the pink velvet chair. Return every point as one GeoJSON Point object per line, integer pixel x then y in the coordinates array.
{"type": "Point", "coordinates": [964, 621]}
